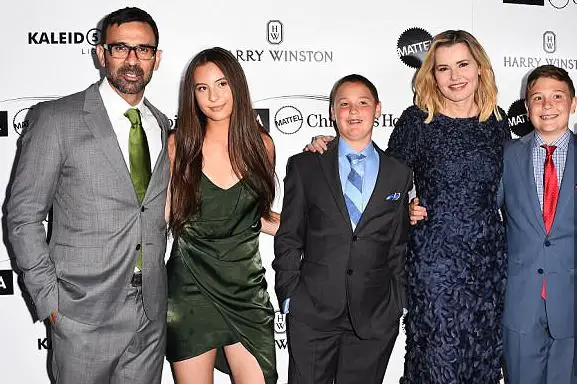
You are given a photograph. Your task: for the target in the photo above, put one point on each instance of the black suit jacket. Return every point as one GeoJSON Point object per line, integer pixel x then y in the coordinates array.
{"type": "Point", "coordinates": [323, 265]}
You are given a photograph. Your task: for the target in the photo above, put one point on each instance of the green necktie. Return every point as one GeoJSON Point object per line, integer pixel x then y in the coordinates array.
{"type": "Point", "coordinates": [139, 159]}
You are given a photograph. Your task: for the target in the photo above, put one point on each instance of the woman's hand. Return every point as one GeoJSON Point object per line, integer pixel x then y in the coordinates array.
{"type": "Point", "coordinates": [318, 144]}
{"type": "Point", "coordinates": [416, 212]}
{"type": "Point", "coordinates": [270, 226]}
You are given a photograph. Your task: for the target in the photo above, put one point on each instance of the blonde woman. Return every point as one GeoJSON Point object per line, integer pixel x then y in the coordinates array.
{"type": "Point", "coordinates": [453, 139]}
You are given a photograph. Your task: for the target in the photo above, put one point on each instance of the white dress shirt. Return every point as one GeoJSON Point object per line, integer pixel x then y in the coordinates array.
{"type": "Point", "coordinates": [116, 106]}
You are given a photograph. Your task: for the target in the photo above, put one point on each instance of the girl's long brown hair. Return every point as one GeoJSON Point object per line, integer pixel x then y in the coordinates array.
{"type": "Point", "coordinates": [248, 154]}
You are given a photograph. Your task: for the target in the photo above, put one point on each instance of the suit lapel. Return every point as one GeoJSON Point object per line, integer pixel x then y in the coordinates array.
{"type": "Point", "coordinates": [525, 156]}
{"type": "Point", "coordinates": [159, 178]}
{"type": "Point", "coordinates": [99, 124]}
{"type": "Point", "coordinates": [330, 165]}
{"type": "Point", "coordinates": [567, 188]}
{"type": "Point", "coordinates": [162, 124]}
{"type": "Point", "coordinates": [383, 187]}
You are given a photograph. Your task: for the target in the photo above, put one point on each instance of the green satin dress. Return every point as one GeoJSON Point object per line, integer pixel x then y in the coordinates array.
{"type": "Point", "coordinates": [217, 292]}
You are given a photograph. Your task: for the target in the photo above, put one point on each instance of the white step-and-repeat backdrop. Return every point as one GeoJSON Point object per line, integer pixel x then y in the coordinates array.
{"type": "Point", "coordinates": [292, 52]}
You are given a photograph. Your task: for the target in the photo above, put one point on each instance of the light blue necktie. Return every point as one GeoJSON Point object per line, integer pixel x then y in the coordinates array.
{"type": "Point", "coordinates": [354, 187]}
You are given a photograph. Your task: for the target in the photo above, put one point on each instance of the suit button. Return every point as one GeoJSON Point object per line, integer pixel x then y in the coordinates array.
{"type": "Point", "coordinates": [138, 247]}
{"type": "Point", "coordinates": [142, 209]}
{"type": "Point", "coordinates": [355, 238]}
{"type": "Point", "coordinates": [540, 271]}
{"type": "Point", "coordinates": [547, 243]}
{"type": "Point", "coordinates": [349, 272]}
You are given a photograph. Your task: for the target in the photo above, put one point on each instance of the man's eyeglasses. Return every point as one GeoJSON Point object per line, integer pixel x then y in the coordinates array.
{"type": "Point", "coordinates": [121, 51]}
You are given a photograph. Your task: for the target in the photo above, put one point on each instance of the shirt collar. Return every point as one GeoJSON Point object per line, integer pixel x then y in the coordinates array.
{"type": "Point", "coordinates": [561, 143]}
{"type": "Point", "coordinates": [345, 149]}
{"type": "Point", "coordinates": [115, 105]}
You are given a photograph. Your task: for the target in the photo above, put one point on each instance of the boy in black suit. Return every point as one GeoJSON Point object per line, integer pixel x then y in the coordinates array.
{"type": "Point", "coordinates": [340, 248]}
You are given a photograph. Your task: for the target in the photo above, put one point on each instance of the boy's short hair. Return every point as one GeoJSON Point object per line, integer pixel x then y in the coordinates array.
{"type": "Point", "coordinates": [353, 78]}
{"type": "Point", "coordinates": [551, 72]}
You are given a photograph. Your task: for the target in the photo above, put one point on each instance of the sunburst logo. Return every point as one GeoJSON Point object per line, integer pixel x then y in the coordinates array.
{"type": "Point", "coordinates": [413, 45]}
{"type": "Point", "coordinates": [518, 119]}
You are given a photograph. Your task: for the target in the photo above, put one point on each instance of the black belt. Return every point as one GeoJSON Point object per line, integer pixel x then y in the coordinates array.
{"type": "Point", "coordinates": [136, 280]}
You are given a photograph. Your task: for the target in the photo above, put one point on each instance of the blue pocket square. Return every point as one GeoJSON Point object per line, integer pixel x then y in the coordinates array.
{"type": "Point", "coordinates": [394, 196]}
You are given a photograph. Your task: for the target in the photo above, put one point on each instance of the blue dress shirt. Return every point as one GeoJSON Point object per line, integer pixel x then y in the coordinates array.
{"type": "Point", "coordinates": [371, 168]}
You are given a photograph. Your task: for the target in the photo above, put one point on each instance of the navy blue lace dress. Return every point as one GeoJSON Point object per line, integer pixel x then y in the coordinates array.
{"type": "Point", "coordinates": [456, 260]}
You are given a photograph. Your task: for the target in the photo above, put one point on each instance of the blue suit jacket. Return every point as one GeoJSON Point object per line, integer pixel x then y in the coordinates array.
{"type": "Point", "coordinates": [532, 254]}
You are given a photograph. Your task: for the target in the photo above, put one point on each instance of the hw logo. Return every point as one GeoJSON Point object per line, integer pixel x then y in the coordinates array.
{"type": "Point", "coordinates": [549, 42]}
{"type": "Point", "coordinates": [274, 32]}
{"type": "Point", "coordinates": [279, 323]}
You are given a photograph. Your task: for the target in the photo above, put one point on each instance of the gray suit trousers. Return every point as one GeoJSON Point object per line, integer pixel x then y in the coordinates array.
{"type": "Point", "coordinates": [129, 348]}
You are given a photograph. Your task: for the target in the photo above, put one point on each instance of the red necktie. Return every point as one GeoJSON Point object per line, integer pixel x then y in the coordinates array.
{"type": "Point", "coordinates": [551, 184]}
{"type": "Point", "coordinates": [550, 196]}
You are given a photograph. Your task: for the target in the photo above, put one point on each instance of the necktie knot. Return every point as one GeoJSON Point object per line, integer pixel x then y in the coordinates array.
{"type": "Point", "coordinates": [355, 158]}
{"type": "Point", "coordinates": [550, 149]}
{"type": "Point", "coordinates": [550, 188]}
{"type": "Point", "coordinates": [133, 115]}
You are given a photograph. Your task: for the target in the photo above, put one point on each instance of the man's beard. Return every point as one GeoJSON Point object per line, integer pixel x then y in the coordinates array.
{"type": "Point", "coordinates": [128, 87]}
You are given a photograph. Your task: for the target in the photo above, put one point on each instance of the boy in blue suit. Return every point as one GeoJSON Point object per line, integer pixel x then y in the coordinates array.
{"type": "Point", "coordinates": [539, 198]}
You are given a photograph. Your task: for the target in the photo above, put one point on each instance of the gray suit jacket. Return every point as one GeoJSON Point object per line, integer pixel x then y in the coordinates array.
{"type": "Point", "coordinates": [70, 160]}
{"type": "Point", "coordinates": [534, 254]}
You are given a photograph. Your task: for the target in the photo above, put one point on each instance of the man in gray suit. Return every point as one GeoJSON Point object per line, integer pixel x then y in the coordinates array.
{"type": "Point", "coordinates": [101, 279]}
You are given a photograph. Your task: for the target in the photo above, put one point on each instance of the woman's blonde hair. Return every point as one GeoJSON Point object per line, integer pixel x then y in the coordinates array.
{"type": "Point", "coordinates": [429, 98]}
